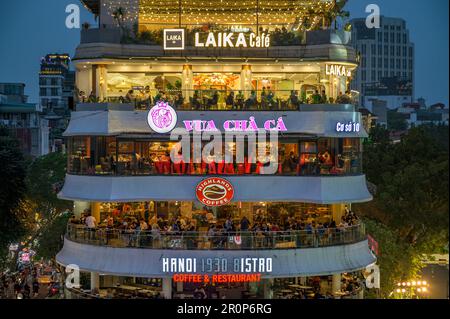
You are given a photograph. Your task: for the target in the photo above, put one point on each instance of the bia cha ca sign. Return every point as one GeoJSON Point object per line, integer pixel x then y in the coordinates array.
{"type": "Point", "coordinates": [173, 39]}
{"type": "Point", "coordinates": [214, 191]}
{"type": "Point", "coordinates": [232, 40]}
{"type": "Point", "coordinates": [337, 70]}
{"type": "Point", "coordinates": [162, 118]}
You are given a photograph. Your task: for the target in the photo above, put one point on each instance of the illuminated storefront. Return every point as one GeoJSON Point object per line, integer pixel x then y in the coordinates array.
{"type": "Point", "coordinates": [219, 221]}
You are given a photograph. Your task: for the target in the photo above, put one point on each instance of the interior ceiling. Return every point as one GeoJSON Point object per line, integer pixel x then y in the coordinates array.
{"type": "Point", "coordinates": [230, 11]}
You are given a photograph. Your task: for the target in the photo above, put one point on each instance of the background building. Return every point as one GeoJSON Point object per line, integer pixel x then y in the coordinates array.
{"type": "Point", "coordinates": [386, 52]}
{"type": "Point", "coordinates": [23, 119]}
{"type": "Point", "coordinates": [56, 91]}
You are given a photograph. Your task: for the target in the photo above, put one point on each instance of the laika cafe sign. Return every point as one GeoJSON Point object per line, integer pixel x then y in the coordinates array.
{"type": "Point", "coordinates": [214, 191]}
{"type": "Point", "coordinates": [232, 40]}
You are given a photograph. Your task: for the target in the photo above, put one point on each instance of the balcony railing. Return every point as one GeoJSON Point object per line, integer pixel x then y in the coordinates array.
{"type": "Point", "coordinates": [230, 100]}
{"type": "Point", "coordinates": [220, 240]}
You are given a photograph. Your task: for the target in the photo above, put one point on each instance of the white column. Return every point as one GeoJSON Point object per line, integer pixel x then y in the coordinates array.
{"type": "Point", "coordinates": [95, 281]}
{"type": "Point", "coordinates": [101, 82]}
{"type": "Point", "coordinates": [187, 82]}
{"type": "Point", "coordinates": [336, 284]}
{"type": "Point", "coordinates": [167, 288]}
{"type": "Point", "coordinates": [246, 80]}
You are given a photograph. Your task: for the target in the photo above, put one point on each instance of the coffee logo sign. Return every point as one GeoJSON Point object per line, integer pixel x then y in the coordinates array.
{"type": "Point", "coordinates": [214, 191]}
{"type": "Point", "coordinates": [173, 39]}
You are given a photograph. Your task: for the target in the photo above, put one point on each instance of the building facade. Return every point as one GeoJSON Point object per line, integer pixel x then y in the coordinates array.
{"type": "Point", "coordinates": [56, 94]}
{"type": "Point", "coordinates": [23, 119]}
{"type": "Point", "coordinates": [254, 222]}
{"type": "Point", "coordinates": [386, 52]}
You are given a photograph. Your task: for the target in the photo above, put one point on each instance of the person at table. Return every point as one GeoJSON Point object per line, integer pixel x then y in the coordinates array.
{"type": "Point", "coordinates": [323, 97]}
{"type": "Point", "coordinates": [245, 224]}
{"type": "Point", "coordinates": [91, 224]}
{"type": "Point", "coordinates": [196, 101]}
{"type": "Point", "coordinates": [316, 97]}
{"type": "Point", "coordinates": [251, 101]}
{"type": "Point", "coordinates": [230, 101]}
{"type": "Point", "coordinates": [239, 100]}
{"type": "Point", "coordinates": [293, 99]}
{"type": "Point", "coordinates": [213, 101]}
{"type": "Point", "coordinates": [292, 161]}
{"type": "Point", "coordinates": [130, 96]}
{"type": "Point", "coordinates": [179, 101]}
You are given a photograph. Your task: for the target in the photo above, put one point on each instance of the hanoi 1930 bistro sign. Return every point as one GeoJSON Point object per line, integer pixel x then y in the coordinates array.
{"type": "Point", "coordinates": [174, 39]}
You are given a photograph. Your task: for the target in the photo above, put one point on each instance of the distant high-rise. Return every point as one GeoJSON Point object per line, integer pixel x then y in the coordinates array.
{"type": "Point", "coordinates": [56, 94]}
{"type": "Point", "coordinates": [386, 52]}
{"type": "Point", "coordinates": [23, 119]}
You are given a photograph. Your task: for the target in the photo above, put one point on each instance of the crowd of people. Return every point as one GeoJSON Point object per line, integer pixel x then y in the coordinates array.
{"type": "Point", "coordinates": [25, 284]}
{"type": "Point", "coordinates": [143, 230]}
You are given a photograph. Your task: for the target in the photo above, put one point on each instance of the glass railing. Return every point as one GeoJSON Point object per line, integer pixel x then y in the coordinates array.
{"type": "Point", "coordinates": [347, 164]}
{"type": "Point", "coordinates": [220, 240]}
{"type": "Point", "coordinates": [226, 100]}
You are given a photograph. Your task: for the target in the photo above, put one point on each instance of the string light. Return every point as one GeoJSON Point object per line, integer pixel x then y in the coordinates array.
{"type": "Point", "coordinates": [154, 13]}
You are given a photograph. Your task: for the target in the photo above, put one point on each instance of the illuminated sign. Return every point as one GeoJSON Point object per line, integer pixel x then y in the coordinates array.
{"type": "Point", "coordinates": [214, 191]}
{"type": "Point", "coordinates": [337, 70]}
{"type": "Point", "coordinates": [349, 127]}
{"type": "Point", "coordinates": [173, 39]}
{"type": "Point", "coordinates": [216, 265]}
{"type": "Point", "coordinates": [249, 125]}
{"type": "Point", "coordinates": [162, 118]}
{"type": "Point", "coordinates": [232, 40]}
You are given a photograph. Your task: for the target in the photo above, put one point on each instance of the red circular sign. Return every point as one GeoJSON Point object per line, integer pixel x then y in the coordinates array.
{"type": "Point", "coordinates": [214, 191]}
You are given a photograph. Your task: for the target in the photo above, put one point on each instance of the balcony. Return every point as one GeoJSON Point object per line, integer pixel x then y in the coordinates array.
{"type": "Point", "coordinates": [293, 254]}
{"type": "Point", "coordinates": [243, 240]}
{"type": "Point", "coordinates": [225, 100]}
{"type": "Point", "coordinates": [109, 42]}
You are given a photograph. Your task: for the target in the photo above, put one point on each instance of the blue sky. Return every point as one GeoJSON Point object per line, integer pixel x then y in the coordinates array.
{"type": "Point", "coordinates": [27, 35]}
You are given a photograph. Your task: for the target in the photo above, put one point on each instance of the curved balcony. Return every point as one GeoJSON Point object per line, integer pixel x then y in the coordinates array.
{"type": "Point", "coordinates": [293, 254]}
{"type": "Point", "coordinates": [194, 240]}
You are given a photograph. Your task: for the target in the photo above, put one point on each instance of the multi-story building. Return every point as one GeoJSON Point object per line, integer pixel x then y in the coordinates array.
{"type": "Point", "coordinates": [270, 223]}
{"type": "Point", "coordinates": [56, 94]}
{"type": "Point", "coordinates": [23, 119]}
{"type": "Point", "coordinates": [386, 52]}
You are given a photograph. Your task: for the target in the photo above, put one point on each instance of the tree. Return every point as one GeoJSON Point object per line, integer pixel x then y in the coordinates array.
{"type": "Point", "coordinates": [396, 121]}
{"type": "Point", "coordinates": [12, 188]}
{"type": "Point", "coordinates": [411, 202]}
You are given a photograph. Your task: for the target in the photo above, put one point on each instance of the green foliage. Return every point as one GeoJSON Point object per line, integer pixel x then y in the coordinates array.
{"type": "Point", "coordinates": [12, 188]}
{"type": "Point", "coordinates": [51, 237]}
{"type": "Point", "coordinates": [396, 121]}
{"type": "Point", "coordinates": [411, 203]}
{"type": "Point", "coordinates": [397, 259]}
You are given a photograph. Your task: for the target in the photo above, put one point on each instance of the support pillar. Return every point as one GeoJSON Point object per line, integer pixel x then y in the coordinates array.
{"type": "Point", "coordinates": [167, 288]}
{"type": "Point", "coordinates": [246, 80]}
{"type": "Point", "coordinates": [95, 211]}
{"type": "Point", "coordinates": [187, 82]}
{"type": "Point", "coordinates": [95, 282]}
{"type": "Point", "coordinates": [336, 284]}
{"type": "Point", "coordinates": [101, 75]}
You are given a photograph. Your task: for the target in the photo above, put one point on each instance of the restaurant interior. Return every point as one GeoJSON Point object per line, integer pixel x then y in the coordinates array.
{"type": "Point", "coordinates": [118, 156]}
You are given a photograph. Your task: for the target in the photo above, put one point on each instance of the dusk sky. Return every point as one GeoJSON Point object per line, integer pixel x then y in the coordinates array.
{"type": "Point", "coordinates": [29, 29]}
